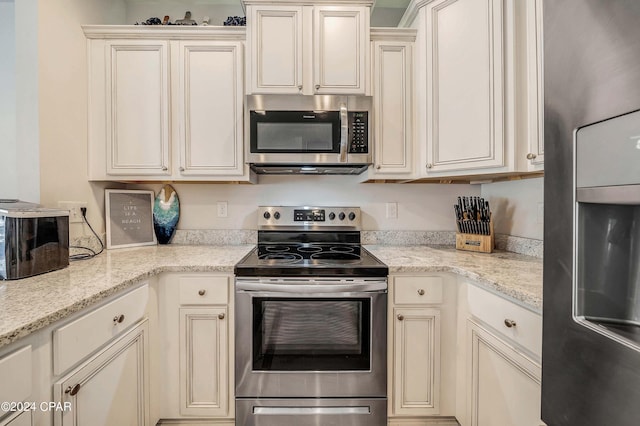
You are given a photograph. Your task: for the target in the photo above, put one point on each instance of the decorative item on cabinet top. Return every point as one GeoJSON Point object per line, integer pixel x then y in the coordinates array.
{"type": "Point", "coordinates": [166, 214]}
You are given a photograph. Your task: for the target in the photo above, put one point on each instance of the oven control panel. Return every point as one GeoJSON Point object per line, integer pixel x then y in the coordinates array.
{"type": "Point", "coordinates": [308, 217]}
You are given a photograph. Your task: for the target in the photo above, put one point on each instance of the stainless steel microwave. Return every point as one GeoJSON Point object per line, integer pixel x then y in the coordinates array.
{"type": "Point", "coordinates": [308, 134]}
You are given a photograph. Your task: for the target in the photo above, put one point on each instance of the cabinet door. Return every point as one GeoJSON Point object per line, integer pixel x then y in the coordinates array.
{"type": "Point", "coordinates": [275, 46]}
{"type": "Point", "coordinates": [416, 361]}
{"type": "Point", "coordinates": [465, 79]}
{"type": "Point", "coordinates": [340, 43]}
{"type": "Point", "coordinates": [111, 388]}
{"type": "Point", "coordinates": [210, 108]}
{"type": "Point", "coordinates": [504, 385]}
{"type": "Point", "coordinates": [204, 364]}
{"type": "Point", "coordinates": [393, 100]}
{"type": "Point", "coordinates": [22, 419]}
{"type": "Point", "coordinates": [535, 85]}
{"type": "Point", "coordinates": [137, 107]}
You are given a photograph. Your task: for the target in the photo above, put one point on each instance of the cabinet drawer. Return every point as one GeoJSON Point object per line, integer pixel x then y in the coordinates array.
{"type": "Point", "coordinates": [524, 328]}
{"type": "Point", "coordinates": [417, 290]}
{"type": "Point", "coordinates": [204, 290]}
{"type": "Point", "coordinates": [74, 341]}
{"type": "Point", "coordinates": [15, 370]}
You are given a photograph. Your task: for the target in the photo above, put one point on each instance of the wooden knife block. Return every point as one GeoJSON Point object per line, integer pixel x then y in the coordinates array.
{"type": "Point", "coordinates": [476, 242]}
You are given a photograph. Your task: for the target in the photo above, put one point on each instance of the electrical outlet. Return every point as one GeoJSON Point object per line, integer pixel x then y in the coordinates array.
{"type": "Point", "coordinates": [392, 210]}
{"type": "Point", "coordinates": [75, 215]}
{"type": "Point", "coordinates": [222, 208]}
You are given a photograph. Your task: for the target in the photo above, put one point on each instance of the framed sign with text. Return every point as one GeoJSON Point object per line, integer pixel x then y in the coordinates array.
{"type": "Point", "coordinates": [129, 217]}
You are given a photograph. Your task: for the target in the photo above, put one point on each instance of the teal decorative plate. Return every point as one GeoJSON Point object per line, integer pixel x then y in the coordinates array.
{"type": "Point", "coordinates": [166, 214]}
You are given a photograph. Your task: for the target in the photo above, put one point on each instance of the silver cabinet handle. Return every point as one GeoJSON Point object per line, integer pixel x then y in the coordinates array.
{"type": "Point", "coordinates": [164, 168]}
{"type": "Point", "coordinates": [317, 87]}
{"type": "Point", "coordinates": [118, 319]}
{"type": "Point", "coordinates": [202, 292]}
{"type": "Point", "coordinates": [531, 156]}
{"type": "Point", "coordinates": [509, 323]}
{"type": "Point", "coordinates": [421, 292]}
{"type": "Point", "coordinates": [400, 317]}
{"type": "Point", "coordinates": [429, 165]}
{"type": "Point", "coordinates": [300, 88]}
{"type": "Point", "coordinates": [72, 390]}
{"type": "Point", "coordinates": [378, 166]}
{"type": "Point", "coordinates": [221, 316]}
{"type": "Point", "coordinates": [182, 169]}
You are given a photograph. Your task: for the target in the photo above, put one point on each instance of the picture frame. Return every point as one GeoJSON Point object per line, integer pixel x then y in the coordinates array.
{"type": "Point", "coordinates": [129, 218]}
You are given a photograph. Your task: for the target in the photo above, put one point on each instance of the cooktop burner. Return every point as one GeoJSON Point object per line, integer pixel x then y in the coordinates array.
{"type": "Point", "coordinates": [310, 241]}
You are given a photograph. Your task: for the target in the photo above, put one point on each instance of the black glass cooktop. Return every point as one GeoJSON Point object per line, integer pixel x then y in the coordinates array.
{"type": "Point", "coordinates": [337, 255]}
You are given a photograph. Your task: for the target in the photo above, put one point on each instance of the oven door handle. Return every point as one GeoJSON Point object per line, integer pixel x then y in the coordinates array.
{"type": "Point", "coordinates": [312, 287]}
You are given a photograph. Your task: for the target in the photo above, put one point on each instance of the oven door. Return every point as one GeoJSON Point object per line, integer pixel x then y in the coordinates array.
{"type": "Point", "coordinates": [315, 338]}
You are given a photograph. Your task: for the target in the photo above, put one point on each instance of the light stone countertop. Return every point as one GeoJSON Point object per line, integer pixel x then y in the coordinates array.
{"type": "Point", "coordinates": [514, 276]}
{"type": "Point", "coordinates": [31, 304]}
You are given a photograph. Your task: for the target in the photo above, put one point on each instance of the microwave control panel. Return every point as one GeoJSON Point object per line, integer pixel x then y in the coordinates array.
{"type": "Point", "coordinates": [358, 132]}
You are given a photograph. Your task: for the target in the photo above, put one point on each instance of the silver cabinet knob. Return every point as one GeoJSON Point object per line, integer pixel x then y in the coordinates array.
{"type": "Point", "coordinates": [182, 169]}
{"type": "Point", "coordinates": [72, 390]}
{"type": "Point", "coordinates": [221, 316]}
{"type": "Point", "coordinates": [421, 292]}
{"type": "Point", "coordinates": [429, 165]}
{"type": "Point", "coordinates": [118, 319]}
{"type": "Point", "coordinates": [317, 87]}
{"type": "Point", "coordinates": [165, 168]}
{"type": "Point", "coordinates": [509, 323]}
{"type": "Point", "coordinates": [202, 292]}
{"type": "Point", "coordinates": [400, 317]}
{"type": "Point", "coordinates": [531, 156]}
{"type": "Point", "coordinates": [300, 88]}
{"type": "Point", "coordinates": [378, 167]}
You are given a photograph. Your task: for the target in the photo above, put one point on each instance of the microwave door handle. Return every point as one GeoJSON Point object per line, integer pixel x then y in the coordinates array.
{"type": "Point", "coordinates": [344, 133]}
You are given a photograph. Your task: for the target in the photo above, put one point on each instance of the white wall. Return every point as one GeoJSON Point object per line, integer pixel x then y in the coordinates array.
{"type": "Point", "coordinates": [420, 206]}
{"type": "Point", "coordinates": [517, 207]}
{"type": "Point", "coordinates": [8, 159]}
{"type": "Point", "coordinates": [63, 102]}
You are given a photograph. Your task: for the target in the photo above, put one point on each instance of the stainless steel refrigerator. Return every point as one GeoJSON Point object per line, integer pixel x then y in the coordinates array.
{"type": "Point", "coordinates": [591, 312]}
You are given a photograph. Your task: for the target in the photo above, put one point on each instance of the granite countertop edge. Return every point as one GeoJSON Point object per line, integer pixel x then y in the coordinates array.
{"type": "Point", "coordinates": [86, 283]}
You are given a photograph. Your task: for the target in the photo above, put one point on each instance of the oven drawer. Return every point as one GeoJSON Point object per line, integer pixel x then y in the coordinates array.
{"type": "Point", "coordinates": [311, 412]}
{"type": "Point", "coordinates": [417, 290]}
{"type": "Point", "coordinates": [204, 290]}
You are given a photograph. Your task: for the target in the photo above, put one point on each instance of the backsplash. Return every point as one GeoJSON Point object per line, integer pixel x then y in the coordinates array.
{"type": "Point", "coordinates": [235, 237]}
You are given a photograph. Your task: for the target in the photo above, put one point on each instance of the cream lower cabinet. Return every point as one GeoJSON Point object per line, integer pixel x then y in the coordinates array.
{"type": "Point", "coordinates": [166, 104]}
{"type": "Point", "coordinates": [499, 361]}
{"type": "Point", "coordinates": [111, 388]}
{"type": "Point", "coordinates": [19, 419]}
{"type": "Point", "coordinates": [421, 355]}
{"type": "Point", "coordinates": [196, 334]}
{"type": "Point", "coordinates": [504, 384]}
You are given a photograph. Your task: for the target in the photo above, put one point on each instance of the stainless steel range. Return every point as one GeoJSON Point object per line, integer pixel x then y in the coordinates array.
{"type": "Point", "coordinates": [311, 333]}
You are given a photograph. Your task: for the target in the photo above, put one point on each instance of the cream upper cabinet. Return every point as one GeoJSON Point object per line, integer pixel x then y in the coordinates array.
{"type": "Point", "coordinates": [210, 108]}
{"type": "Point", "coordinates": [137, 107]}
{"type": "Point", "coordinates": [297, 48]}
{"type": "Point", "coordinates": [392, 87]}
{"type": "Point", "coordinates": [166, 104]}
{"type": "Point", "coordinates": [478, 80]}
{"type": "Point", "coordinates": [274, 37]}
